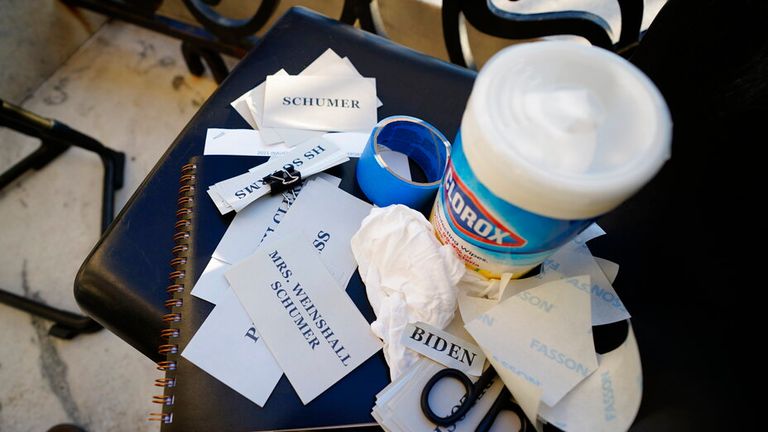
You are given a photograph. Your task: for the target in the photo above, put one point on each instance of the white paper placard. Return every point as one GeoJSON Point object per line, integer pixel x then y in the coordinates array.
{"type": "Point", "coordinates": [229, 347]}
{"type": "Point", "coordinates": [307, 321]}
{"type": "Point", "coordinates": [331, 103]}
{"type": "Point", "coordinates": [444, 348]}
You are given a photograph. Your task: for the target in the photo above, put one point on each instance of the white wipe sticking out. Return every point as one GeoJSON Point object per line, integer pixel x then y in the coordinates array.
{"type": "Point", "coordinates": [409, 276]}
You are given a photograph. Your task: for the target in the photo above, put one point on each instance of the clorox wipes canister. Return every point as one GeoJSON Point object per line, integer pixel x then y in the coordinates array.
{"type": "Point", "coordinates": [554, 135]}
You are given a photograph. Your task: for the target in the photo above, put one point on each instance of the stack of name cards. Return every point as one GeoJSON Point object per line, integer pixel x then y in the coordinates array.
{"type": "Point", "coordinates": [312, 121]}
{"type": "Point", "coordinates": [329, 95]}
{"type": "Point", "coordinates": [277, 279]}
{"type": "Point", "coordinates": [398, 406]}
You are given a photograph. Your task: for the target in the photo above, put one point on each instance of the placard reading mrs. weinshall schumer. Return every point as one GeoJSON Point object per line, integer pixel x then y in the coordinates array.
{"type": "Point", "coordinates": [308, 322]}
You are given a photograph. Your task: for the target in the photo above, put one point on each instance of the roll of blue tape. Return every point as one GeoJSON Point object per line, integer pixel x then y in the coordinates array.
{"type": "Point", "coordinates": [418, 140]}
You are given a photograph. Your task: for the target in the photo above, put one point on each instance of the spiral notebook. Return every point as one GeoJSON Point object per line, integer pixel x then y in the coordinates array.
{"type": "Point", "coordinates": [192, 399]}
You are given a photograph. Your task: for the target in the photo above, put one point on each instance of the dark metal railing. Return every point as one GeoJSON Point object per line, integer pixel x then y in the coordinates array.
{"type": "Point", "coordinates": [55, 138]}
{"type": "Point", "coordinates": [218, 34]}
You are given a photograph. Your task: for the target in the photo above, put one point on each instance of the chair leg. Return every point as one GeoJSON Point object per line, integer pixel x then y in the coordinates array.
{"type": "Point", "coordinates": [66, 324]}
{"type": "Point", "coordinates": [194, 56]}
{"type": "Point", "coordinates": [56, 138]}
{"type": "Point", "coordinates": [36, 160]}
{"type": "Point", "coordinates": [66, 428]}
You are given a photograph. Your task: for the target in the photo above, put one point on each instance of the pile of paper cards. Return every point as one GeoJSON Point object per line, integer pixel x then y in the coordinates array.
{"type": "Point", "coordinates": [398, 407]}
{"type": "Point", "coordinates": [537, 335]}
{"type": "Point", "coordinates": [278, 277]}
{"type": "Point", "coordinates": [298, 118]}
{"type": "Point", "coordinates": [312, 101]}
{"type": "Point", "coordinates": [329, 95]}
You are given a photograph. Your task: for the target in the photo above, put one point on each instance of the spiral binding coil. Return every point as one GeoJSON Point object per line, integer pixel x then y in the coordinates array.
{"type": "Point", "coordinates": [175, 290]}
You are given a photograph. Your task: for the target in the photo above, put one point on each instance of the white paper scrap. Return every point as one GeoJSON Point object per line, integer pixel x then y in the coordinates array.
{"type": "Point", "coordinates": [241, 106]}
{"type": "Point", "coordinates": [591, 232]}
{"type": "Point", "coordinates": [222, 205]}
{"type": "Point", "coordinates": [327, 59]}
{"type": "Point", "coordinates": [211, 285]}
{"type": "Point", "coordinates": [609, 268]}
{"type": "Point", "coordinates": [444, 348]}
{"type": "Point", "coordinates": [271, 137]}
{"type": "Point", "coordinates": [329, 63]}
{"type": "Point", "coordinates": [606, 401]}
{"type": "Point", "coordinates": [575, 259]}
{"type": "Point", "coordinates": [293, 137]}
{"type": "Point", "coordinates": [229, 348]}
{"type": "Point", "coordinates": [254, 100]}
{"type": "Point", "coordinates": [330, 103]}
{"type": "Point", "coordinates": [526, 394]}
{"type": "Point", "coordinates": [307, 321]}
{"type": "Point", "coordinates": [239, 142]}
{"type": "Point", "coordinates": [556, 353]}
{"type": "Point", "coordinates": [351, 70]}
{"type": "Point", "coordinates": [472, 307]}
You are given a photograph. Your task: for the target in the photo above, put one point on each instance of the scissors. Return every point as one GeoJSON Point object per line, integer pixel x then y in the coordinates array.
{"type": "Point", "coordinates": [474, 391]}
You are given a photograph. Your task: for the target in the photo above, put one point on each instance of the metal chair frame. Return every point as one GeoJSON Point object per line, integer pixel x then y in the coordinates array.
{"type": "Point", "coordinates": [55, 138]}
{"type": "Point", "coordinates": [218, 34]}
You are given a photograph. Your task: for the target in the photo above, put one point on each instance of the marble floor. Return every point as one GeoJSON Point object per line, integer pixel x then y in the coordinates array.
{"type": "Point", "coordinates": [114, 88]}
{"type": "Point", "coordinates": [128, 88]}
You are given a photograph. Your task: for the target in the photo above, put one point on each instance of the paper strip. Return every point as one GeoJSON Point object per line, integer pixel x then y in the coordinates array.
{"type": "Point", "coordinates": [309, 158]}
{"type": "Point", "coordinates": [444, 348]}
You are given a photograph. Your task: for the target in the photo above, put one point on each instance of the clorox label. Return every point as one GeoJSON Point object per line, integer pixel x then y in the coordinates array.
{"type": "Point", "coordinates": [468, 216]}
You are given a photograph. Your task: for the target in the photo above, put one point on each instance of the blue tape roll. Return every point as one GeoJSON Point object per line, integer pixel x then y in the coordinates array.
{"type": "Point", "coordinates": [418, 140]}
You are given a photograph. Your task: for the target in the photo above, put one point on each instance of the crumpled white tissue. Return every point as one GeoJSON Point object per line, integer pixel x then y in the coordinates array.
{"type": "Point", "coordinates": [409, 276]}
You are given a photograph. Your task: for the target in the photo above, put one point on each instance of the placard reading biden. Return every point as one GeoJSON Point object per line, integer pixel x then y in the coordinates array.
{"type": "Point", "coordinates": [328, 103]}
{"type": "Point", "coordinates": [310, 325]}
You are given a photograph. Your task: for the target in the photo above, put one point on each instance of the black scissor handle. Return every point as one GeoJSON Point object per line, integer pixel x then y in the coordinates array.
{"type": "Point", "coordinates": [469, 399]}
{"type": "Point", "coordinates": [503, 403]}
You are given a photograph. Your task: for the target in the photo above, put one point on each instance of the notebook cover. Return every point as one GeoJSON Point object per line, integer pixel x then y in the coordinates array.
{"type": "Point", "coordinates": [122, 282]}
{"type": "Point", "coordinates": [200, 401]}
